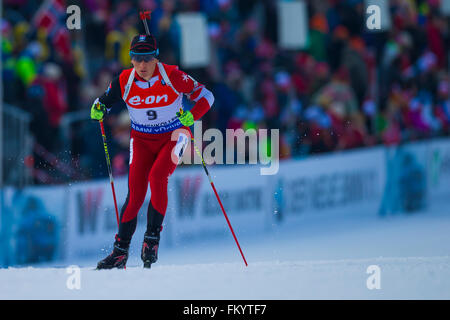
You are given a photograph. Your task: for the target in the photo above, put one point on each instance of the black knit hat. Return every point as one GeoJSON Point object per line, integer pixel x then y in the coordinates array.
{"type": "Point", "coordinates": [144, 44]}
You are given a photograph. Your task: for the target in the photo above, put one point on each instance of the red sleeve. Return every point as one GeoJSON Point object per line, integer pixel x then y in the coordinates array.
{"type": "Point", "coordinates": [200, 108]}
{"type": "Point", "coordinates": [181, 81]}
{"type": "Point", "coordinates": [195, 91]}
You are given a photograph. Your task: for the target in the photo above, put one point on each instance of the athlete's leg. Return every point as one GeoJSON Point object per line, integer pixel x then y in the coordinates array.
{"type": "Point", "coordinates": [164, 165]}
{"type": "Point", "coordinates": [140, 163]}
{"type": "Point", "coordinates": [168, 154]}
{"type": "Point", "coordinates": [141, 160]}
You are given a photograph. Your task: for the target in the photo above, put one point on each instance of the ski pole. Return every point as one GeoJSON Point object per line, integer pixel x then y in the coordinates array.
{"type": "Point", "coordinates": [108, 164]}
{"type": "Point", "coordinates": [217, 196]}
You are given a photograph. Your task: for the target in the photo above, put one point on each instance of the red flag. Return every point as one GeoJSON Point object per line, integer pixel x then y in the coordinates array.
{"type": "Point", "coordinates": [50, 16]}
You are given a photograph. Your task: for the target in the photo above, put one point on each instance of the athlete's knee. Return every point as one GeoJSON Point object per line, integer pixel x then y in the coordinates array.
{"type": "Point", "coordinates": [131, 207]}
{"type": "Point", "coordinates": [158, 177]}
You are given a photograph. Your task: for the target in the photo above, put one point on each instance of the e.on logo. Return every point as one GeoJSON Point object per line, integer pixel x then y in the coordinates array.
{"type": "Point", "coordinates": [136, 100]}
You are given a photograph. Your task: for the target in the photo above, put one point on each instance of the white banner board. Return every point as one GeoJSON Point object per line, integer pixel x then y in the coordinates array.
{"type": "Point", "coordinates": [194, 40]}
{"type": "Point", "coordinates": [292, 24]}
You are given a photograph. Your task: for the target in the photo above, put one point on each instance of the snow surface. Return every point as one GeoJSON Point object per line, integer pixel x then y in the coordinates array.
{"type": "Point", "coordinates": [313, 258]}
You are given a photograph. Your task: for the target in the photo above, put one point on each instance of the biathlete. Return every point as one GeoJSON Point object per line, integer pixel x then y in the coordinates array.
{"type": "Point", "coordinates": [152, 92]}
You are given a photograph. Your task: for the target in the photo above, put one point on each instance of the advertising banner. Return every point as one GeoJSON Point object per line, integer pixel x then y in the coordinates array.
{"type": "Point", "coordinates": [91, 217]}
{"type": "Point", "coordinates": [350, 182]}
{"type": "Point", "coordinates": [194, 211]}
{"type": "Point", "coordinates": [33, 225]}
{"type": "Point", "coordinates": [406, 188]}
{"type": "Point", "coordinates": [439, 170]}
{"type": "Point", "coordinates": [78, 220]}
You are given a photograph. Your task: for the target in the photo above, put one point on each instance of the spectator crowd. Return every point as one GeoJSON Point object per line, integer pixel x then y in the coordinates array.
{"type": "Point", "coordinates": [350, 87]}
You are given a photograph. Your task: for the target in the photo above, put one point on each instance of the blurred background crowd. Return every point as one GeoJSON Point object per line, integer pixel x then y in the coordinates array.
{"type": "Point", "coordinates": [349, 88]}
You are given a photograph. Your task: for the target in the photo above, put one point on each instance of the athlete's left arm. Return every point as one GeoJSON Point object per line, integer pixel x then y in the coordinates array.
{"type": "Point", "coordinates": [195, 91]}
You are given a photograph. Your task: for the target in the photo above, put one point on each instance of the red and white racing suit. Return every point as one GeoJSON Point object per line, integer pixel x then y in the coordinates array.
{"type": "Point", "coordinates": [152, 106]}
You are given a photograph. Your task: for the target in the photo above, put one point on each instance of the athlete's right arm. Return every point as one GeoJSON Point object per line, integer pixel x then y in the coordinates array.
{"type": "Point", "coordinates": [112, 95]}
{"type": "Point", "coordinates": [104, 103]}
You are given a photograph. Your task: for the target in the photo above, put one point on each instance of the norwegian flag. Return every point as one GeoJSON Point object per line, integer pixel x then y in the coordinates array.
{"type": "Point", "coordinates": [50, 16]}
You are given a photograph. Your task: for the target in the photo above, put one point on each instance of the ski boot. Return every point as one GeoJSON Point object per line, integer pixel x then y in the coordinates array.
{"type": "Point", "coordinates": [118, 258]}
{"type": "Point", "coordinates": [149, 253]}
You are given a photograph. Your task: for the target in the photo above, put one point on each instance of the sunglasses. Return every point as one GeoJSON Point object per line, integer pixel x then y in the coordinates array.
{"type": "Point", "coordinates": [146, 57]}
